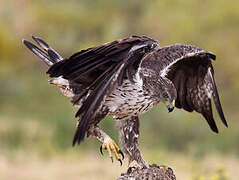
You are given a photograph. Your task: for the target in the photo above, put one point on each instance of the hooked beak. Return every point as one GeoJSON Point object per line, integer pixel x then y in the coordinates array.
{"type": "Point", "coordinates": [170, 106]}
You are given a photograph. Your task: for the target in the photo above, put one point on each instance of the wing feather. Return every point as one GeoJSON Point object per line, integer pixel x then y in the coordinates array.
{"type": "Point", "coordinates": [216, 98]}
{"type": "Point", "coordinates": [191, 71]}
{"type": "Point", "coordinates": [93, 103]}
{"type": "Point", "coordinates": [99, 70]}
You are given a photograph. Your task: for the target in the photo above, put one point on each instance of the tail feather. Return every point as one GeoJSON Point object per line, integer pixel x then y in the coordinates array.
{"type": "Point", "coordinates": [46, 53]}
{"type": "Point", "coordinates": [46, 59]}
{"type": "Point", "coordinates": [51, 52]}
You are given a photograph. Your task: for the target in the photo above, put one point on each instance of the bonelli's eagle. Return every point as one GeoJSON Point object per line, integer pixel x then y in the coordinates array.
{"type": "Point", "coordinates": [126, 78]}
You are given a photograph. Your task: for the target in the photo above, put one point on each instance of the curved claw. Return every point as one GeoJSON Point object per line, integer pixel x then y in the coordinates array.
{"type": "Point", "coordinates": [112, 148]}
{"type": "Point", "coordinates": [101, 150]}
{"type": "Point", "coordinates": [122, 154]}
{"type": "Point", "coordinates": [120, 162]}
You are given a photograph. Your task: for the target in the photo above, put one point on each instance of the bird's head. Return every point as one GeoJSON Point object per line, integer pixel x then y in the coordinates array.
{"type": "Point", "coordinates": [168, 94]}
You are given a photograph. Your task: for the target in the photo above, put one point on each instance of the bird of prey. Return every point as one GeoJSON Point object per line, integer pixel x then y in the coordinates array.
{"type": "Point", "coordinates": [126, 78]}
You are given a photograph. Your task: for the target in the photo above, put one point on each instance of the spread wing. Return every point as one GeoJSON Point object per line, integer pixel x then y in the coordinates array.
{"type": "Point", "coordinates": [190, 69]}
{"type": "Point", "coordinates": [97, 70]}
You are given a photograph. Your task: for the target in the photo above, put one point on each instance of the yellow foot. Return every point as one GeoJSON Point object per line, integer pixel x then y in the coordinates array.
{"type": "Point", "coordinates": [112, 147]}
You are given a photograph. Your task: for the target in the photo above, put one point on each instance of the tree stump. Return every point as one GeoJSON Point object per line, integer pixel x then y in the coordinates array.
{"type": "Point", "coordinates": [154, 172]}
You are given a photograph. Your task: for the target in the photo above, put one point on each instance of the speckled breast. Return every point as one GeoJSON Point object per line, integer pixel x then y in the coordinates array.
{"type": "Point", "coordinates": [129, 99]}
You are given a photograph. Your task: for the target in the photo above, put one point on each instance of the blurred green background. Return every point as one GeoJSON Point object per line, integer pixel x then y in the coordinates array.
{"type": "Point", "coordinates": [37, 123]}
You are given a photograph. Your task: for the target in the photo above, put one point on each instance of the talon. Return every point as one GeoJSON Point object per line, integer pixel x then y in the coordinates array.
{"type": "Point", "coordinates": [122, 154]}
{"type": "Point", "coordinates": [120, 162]}
{"type": "Point", "coordinates": [101, 150]}
{"type": "Point", "coordinates": [112, 149]}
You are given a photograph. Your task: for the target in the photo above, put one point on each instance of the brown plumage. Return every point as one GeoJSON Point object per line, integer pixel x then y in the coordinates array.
{"type": "Point", "coordinates": [126, 78]}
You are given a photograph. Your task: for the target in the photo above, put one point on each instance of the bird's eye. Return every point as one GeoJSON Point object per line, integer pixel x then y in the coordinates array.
{"type": "Point", "coordinates": [165, 95]}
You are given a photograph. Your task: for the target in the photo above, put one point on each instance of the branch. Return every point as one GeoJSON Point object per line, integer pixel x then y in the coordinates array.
{"type": "Point", "coordinates": [154, 172]}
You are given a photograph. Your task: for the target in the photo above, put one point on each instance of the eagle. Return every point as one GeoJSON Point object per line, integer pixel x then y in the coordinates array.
{"type": "Point", "coordinates": [125, 78]}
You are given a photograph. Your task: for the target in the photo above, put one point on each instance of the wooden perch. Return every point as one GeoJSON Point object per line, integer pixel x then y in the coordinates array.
{"type": "Point", "coordinates": [154, 172]}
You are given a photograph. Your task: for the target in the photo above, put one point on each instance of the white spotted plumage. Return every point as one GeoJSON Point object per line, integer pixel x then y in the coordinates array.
{"type": "Point", "coordinates": [129, 99]}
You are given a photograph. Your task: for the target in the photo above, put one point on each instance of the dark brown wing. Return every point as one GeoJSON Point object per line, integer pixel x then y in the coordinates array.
{"type": "Point", "coordinates": [97, 70]}
{"type": "Point", "coordinates": [191, 71]}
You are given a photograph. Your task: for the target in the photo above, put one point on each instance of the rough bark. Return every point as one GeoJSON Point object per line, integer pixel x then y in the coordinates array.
{"type": "Point", "coordinates": [154, 172]}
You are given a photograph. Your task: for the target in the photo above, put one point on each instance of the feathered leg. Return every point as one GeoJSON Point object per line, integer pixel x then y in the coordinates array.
{"type": "Point", "coordinates": [129, 139]}
{"type": "Point", "coordinates": [108, 143]}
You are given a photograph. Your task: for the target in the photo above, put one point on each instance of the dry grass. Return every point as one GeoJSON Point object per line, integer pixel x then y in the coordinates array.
{"type": "Point", "coordinates": [91, 166]}
{"type": "Point", "coordinates": [87, 166]}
